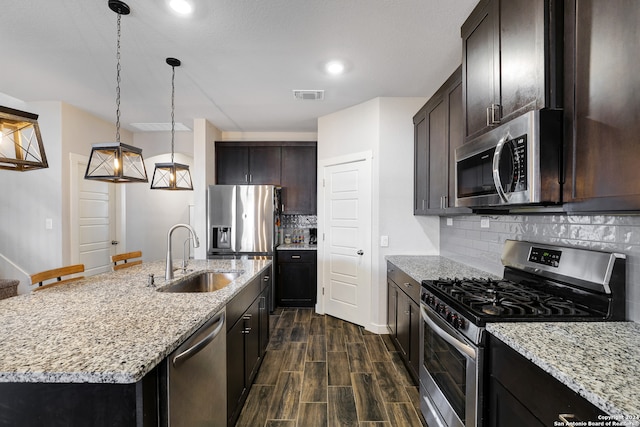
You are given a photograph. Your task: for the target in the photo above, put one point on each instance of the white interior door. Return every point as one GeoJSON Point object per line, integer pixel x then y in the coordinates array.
{"type": "Point", "coordinates": [347, 241]}
{"type": "Point", "coordinates": [93, 221]}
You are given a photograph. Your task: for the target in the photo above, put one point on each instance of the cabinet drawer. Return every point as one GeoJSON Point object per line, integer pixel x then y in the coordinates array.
{"type": "Point", "coordinates": [405, 282]}
{"type": "Point", "coordinates": [296, 256]}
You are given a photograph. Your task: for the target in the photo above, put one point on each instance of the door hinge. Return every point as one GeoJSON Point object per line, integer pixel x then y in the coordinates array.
{"type": "Point", "coordinates": [323, 237]}
{"type": "Point", "coordinates": [322, 291]}
{"type": "Point", "coordinates": [323, 183]}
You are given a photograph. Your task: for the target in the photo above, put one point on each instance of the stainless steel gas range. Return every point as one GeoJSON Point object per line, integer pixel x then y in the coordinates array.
{"type": "Point", "coordinates": [540, 283]}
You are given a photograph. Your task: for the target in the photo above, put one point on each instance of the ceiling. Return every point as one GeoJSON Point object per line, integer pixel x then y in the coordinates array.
{"type": "Point", "coordinates": [241, 59]}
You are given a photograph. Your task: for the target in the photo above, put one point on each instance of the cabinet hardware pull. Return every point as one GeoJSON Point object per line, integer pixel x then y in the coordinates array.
{"type": "Point", "coordinates": [295, 256]}
{"type": "Point", "coordinates": [408, 285]}
{"type": "Point", "coordinates": [266, 278]}
{"type": "Point", "coordinates": [568, 418]}
{"type": "Point", "coordinates": [246, 317]}
{"type": "Point", "coordinates": [246, 178]}
{"type": "Point", "coordinates": [488, 116]}
{"type": "Point", "coordinates": [246, 331]}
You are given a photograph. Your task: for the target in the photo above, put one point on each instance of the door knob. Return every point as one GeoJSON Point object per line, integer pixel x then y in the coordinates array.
{"type": "Point", "coordinates": [360, 252]}
{"type": "Point", "coordinates": [114, 242]}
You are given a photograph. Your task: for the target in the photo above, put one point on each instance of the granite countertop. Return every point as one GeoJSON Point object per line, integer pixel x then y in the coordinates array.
{"type": "Point", "coordinates": [109, 328]}
{"type": "Point", "coordinates": [599, 361]}
{"type": "Point", "coordinates": [425, 267]}
{"type": "Point", "coordinates": [297, 247]}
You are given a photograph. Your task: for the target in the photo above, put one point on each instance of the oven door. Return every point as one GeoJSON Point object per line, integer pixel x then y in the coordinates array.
{"type": "Point", "coordinates": [449, 374]}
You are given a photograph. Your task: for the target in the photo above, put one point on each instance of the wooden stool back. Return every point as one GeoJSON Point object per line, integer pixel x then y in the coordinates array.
{"type": "Point", "coordinates": [57, 274]}
{"type": "Point", "coordinates": [126, 260]}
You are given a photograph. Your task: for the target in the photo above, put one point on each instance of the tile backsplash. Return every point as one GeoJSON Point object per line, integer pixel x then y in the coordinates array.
{"type": "Point", "coordinates": [468, 239]}
{"type": "Point", "coordinates": [297, 227]}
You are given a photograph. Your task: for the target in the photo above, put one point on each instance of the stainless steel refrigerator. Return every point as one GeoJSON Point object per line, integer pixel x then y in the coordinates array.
{"type": "Point", "coordinates": [241, 220]}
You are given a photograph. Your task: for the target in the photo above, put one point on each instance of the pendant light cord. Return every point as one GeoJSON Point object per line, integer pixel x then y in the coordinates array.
{"type": "Point", "coordinates": [118, 83]}
{"type": "Point", "coordinates": [173, 122]}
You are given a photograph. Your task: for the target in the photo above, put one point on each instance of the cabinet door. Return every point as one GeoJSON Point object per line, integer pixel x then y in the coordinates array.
{"type": "Point", "coordinates": [235, 369]}
{"type": "Point", "coordinates": [603, 154]}
{"type": "Point", "coordinates": [481, 66]}
{"type": "Point", "coordinates": [456, 139]}
{"type": "Point", "coordinates": [296, 283]}
{"type": "Point", "coordinates": [522, 56]}
{"type": "Point", "coordinates": [232, 164]}
{"type": "Point", "coordinates": [421, 162]}
{"type": "Point", "coordinates": [264, 165]}
{"type": "Point", "coordinates": [299, 180]}
{"type": "Point", "coordinates": [392, 307]}
{"type": "Point", "coordinates": [505, 410]}
{"type": "Point", "coordinates": [404, 323]}
{"type": "Point", "coordinates": [264, 299]}
{"type": "Point", "coordinates": [438, 150]}
{"type": "Point", "coordinates": [251, 320]}
{"type": "Point", "coordinates": [414, 345]}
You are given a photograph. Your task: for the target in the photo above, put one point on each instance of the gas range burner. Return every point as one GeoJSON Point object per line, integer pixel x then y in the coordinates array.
{"type": "Point", "coordinates": [503, 298]}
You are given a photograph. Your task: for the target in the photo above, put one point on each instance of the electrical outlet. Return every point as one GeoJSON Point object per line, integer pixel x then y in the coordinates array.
{"type": "Point", "coordinates": [449, 222]}
{"type": "Point", "coordinates": [384, 241]}
{"type": "Point", "coordinates": [484, 222]}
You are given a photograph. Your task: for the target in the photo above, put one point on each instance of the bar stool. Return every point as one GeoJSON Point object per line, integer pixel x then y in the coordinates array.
{"type": "Point", "coordinates": [57, 274]}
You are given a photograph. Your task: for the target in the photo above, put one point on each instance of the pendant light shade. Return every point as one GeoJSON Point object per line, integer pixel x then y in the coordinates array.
{"type": "Point", "coordinates": [172, 176]}
{"type": "Point", "coordinates": [21, 146]}
{"type": "Point", "coordinates": [115, 161]}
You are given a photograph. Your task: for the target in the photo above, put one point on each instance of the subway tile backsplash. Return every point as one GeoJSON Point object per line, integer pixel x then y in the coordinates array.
{"type": "Point", "coordinates": [467, 241]}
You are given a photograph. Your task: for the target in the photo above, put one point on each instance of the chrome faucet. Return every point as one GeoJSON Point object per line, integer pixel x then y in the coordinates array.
{"type": "Point", "coordinates": [168, 274]}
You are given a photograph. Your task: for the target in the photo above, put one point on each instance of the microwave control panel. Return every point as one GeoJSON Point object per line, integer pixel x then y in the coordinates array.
{"type": "Point", "coordinates": [519, 147]}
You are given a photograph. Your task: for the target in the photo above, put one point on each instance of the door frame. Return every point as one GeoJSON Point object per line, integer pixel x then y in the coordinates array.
{"type": "Point", "coordinates": [75, 160]}
{"type": "Point", "coordinates": [363, 156]}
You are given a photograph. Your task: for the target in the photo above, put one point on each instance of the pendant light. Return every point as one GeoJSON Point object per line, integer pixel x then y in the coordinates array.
{"type": "Point", "coordinates": [115, 161]}
{"type": "Point", "coordinates": [172, 176]}
{"type": "Point", "coordinates": [21, 146]}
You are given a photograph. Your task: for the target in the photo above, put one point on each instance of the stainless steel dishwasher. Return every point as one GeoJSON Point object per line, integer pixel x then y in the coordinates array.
{"type": "Point", "coordinates": [196, 378]}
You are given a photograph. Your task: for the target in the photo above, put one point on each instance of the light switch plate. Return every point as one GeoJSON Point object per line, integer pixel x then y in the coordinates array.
{"type": "Point", "coordinates": [449, 222]}
{"type": "Point", "coordinates": [384, 241]}
{"type": "Point", "coordinates": [48, 224]}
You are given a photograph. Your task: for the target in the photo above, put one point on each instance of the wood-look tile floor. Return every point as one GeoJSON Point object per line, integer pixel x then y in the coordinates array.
{"type": "Point", "coordinates": [325, 372]}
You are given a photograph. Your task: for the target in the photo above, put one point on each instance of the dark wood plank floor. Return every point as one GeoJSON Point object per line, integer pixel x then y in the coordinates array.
{"type": "Point", "coordinates": [321, 371]}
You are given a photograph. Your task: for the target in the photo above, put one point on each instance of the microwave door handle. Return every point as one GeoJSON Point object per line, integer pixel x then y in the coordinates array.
{"type": "Point", "coordinates": [459, 345]}
{"type": "Point", "coordinates": [496, 170]}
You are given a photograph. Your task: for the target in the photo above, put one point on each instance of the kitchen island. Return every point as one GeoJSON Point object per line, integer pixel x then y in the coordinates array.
{"type": "Point", "coordinates": [101, 338]}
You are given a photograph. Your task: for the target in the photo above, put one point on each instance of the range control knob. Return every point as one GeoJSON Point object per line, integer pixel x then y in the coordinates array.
{"type": "Point", "coordinates": [455, 321]}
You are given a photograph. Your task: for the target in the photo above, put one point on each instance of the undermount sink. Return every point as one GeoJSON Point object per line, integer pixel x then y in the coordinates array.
{"type": "Point", "coordinates": [207, 281]}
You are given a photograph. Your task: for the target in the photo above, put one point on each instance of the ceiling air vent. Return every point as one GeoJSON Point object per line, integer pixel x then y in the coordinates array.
{"type": "Point", "coordinates": [308, 95]}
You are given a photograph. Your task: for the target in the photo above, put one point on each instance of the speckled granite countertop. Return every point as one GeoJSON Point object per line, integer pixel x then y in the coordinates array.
{"type": "Point", "coordinates": [422, 267]}
{"type": "Point", "coordinates": [297, 247]}
{"type": "Point", "coordinates": [599, 361]}
{"type": "Point", "coordinates": [110, 328]}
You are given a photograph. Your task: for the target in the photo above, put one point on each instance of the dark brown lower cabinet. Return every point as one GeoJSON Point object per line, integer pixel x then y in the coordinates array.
{"type": "Point", "coordinates": [296, 278]}
{"type": "Point", "coordinates": [403, 316]}
{"type": "Point", "coordinates": [520, 393]}
{"type": "Point", "coordinates": [247, 339]}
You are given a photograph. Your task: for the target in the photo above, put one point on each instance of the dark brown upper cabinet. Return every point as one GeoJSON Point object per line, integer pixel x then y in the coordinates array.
{"type": "Point", "coordinates": [291, 165]}
{"type": "Point", "coordinates": [238, 163]}
{"type": "Point", "coordinates": [299, 179]}
{"type": "Point", "coordinates": [602, 105]}
{"type": "Point", "coordinates": [511, 61]}
{"type": "Point", "coordinates": [437, 134]}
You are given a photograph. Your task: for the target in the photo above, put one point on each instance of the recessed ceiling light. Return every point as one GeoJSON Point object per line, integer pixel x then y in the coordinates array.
{"type": "Point", "coordinates": [182, 7]}
{"type": "Point", "coordinates": [334, 67]}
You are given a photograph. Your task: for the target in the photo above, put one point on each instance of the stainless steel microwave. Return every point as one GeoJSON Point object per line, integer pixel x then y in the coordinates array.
{"type": "Point", "coordinates": [517, 163]}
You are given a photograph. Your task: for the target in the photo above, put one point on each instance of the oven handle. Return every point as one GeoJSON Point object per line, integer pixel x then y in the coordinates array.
{"type": "Point", "coordinates": [459, 345]}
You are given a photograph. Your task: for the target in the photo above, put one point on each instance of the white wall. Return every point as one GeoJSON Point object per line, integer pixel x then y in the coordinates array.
{"type": "Point", "coordinates": [30, 198]}
{"type": "Point", "coordinates": [383, 126]}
